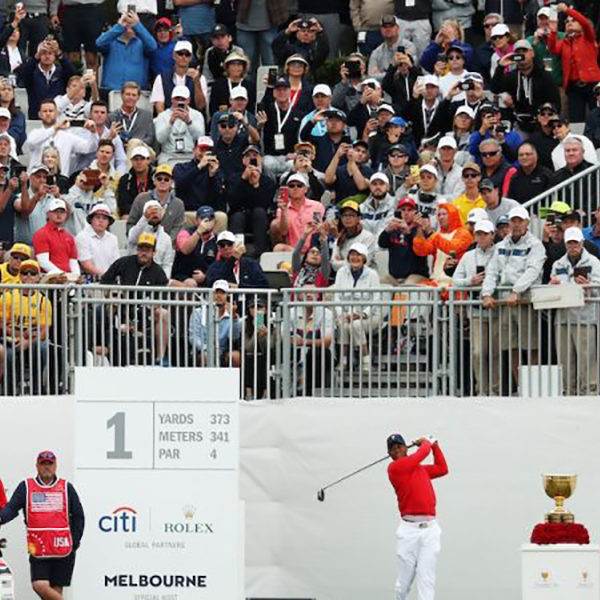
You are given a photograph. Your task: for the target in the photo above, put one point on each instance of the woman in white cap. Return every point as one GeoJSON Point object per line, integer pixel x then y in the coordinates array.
{"type": "Point", "coordinates": [356, 322]}
{"type": "Point", "coordinates": [503, 43]}
{"type": "Point", "coordinates": [462, 127]}
{"type": "Point", "coordinates": [296, 69]}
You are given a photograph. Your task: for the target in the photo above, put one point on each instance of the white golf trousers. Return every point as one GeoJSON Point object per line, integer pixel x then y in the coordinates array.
{"type": "Point", "coordinates": [418, 548]}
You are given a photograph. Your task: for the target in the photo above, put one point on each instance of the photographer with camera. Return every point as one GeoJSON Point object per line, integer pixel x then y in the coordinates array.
{"type": "Point", "coordinates": [529, 85]}
{"type": "Point", "coordinates": [492, 128]}
{"type": "Point", "coordinates": [400, 78]}
{"type": "Point", "coordinates": [539, 41]}
{"type": "Point", "coordinates": [467, 91]}
{"type": "Point", "coordinates": [424, 111]}
{"type": "Point", "coordinates": [420, 185]}
{"type": "Point", "coordinates": [303, 36]}
{"type": "Point", "coordinates": [346, 92]}
{"type": "Point", "coordinates": [392, 44]}
{"type": "Point", "coordinates": [364, 114]}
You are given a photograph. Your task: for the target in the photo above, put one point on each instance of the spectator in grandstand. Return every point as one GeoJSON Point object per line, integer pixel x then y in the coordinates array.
{"type": "Point", "coordinates": [32, 203]}
{"type": "Point", "coordinates": [494, 164]}
{"type": "Point", "coordinates": [177, 128]}
{"type": "Point", "coordinates": [126, 47]}
{"type": "Point", "coordinates": [11, 56]}
{"type": "Point", "coordinates": [151, 222]}
{"type": "Point", "coordinates": [166, 38]}
{"type": "Point", "coordinates": [539, 40]}
{"type": "Point", "coordinates": [451, 182]}
{"type": "Point", "coordinates": [196, 250]}
{"type": "Point", "coordinates": [351, 231]}
{"type": "Point", "coordinates": [503, 43]}
{"type": "Point", "coordinates": [385, 53]}
{"type": "Point", "coordinates": [321, 97]}
{"type": "Point", "coordinates": [257, 26]}
{"type": "Point", "coordinates": [296, 71]}
{"type": "Point", "coordinates": [366, 21]}
{"type": "Point", "coordinates": [450, 36]}
{"type": "Point", "coordinates": [517, 263]}
{"type": "Point", "coordinates": [578, 56]}
{"type": "Point", "coordinates": [592, 233]}
{"type": "Point", "coordinates": [132, 122]}
{"type": "Point", "coordinates": [229, 149]}
{"type": "Point", "coordinates": [279, 120]}
{"type": "Point", "coordinates": [56, 133]}
{"type": "Point", "coordinates": [250, 199]}
{"type": "Point", "coordinates": [16, 128]}
{"type": "Point", "coordinates": [462, 127]}
{"type": "Point", "coordinates": [396, 168]}
{"type": "Point", "coordinates": [484, 52]}
{"type": "Point", "coordinates": [54, 247]}
{"type": "Point", "coordinates": [470, 272]}
{"type": "Point", "coordinates": [400, 78]}
{"type": "Point", "coordinates": [502, 229]}
{"type": "Point", "coordinates": [26, 321]}
{"type": "Point", "coordinates": [51, 159]}
{"type": "Point", "coordinates": [543, 137]}
{"type": "Point", "coordinates": [227, 323]}
{"type": "Point", "coordinates": [379, 206]}
{"type": "Point", "coordinates": [173, 208]}
{"type": "Point", "coordinates": [200, 182]}
{"type": "Point", "coordinates": [347, 91]}
{"type": "Point", "coordinates": [405, 267]}
{"type": "Point", "coordinates": [73, 105]}
{"type": "Point", "coordinates": [454, 64]}
{"type": "Point", "coordinates": [560, 217]}
{"type": "Point", "coordinates": [421, 187]}
{"type": "Point", "coordinates": [221, 44]}
{"type": "Point", "coordinates": [496, 206]}
{"type": "Point", "coordinates": [531, 178]}
{"type": "Point", "coordinates": [42, 77]}
{"type": "Point", "coordinates": [303, 36]}
{"type": "Point", "coordinates": [97, 247]}
{"type": "Point", "coordinates": [311, 267]}
{"type": "Point", "coordinates": [311, 339]}
{"type": "Point", "coordinates": [468, 91]}
{"type": "Point", "coordinates": [302, 163]}
{"type": "Point", "coordinates": [471, 197]}
{"type": "Point", "coordinates": [424, 110]}
{"type": "Point", "coordinates": [103, 162]}
{"type": "Point", "coordinates": [529, 85]}
{"type": "Point", "coordinates": [352, 178]}
{"type": "Point", "coordinates": [592, 121]}
{"type": "Point", "coordinates": [562, 132]}
{"type": "Point", "coordinates": [576, 327]}
{"type": "Point", "coordinates": [9, 270]}
{"type": "Point", "coordinates": [574, 158]}
{"type": "Point", "coordinates": [294, 212]}
{"type": "Point", "coordinates": [238, 107]}
{"type": "Point", "coordinates": [8, 194]}
{"type": "Point", "coordinates": [451, 241]}
{"type": "Point", "coordinates": [4, 130]}
{"type": "Point", "coordinates": [386, 130]}
{"type": "Point", "coordinates": [6, 158]}
{"type": "Point", "coordinates": [236, 67]}
{"type": "Point", "coordinates": [364, 114]}
{"type": "Point", "coordinates": [355, 321]}
{"type": "Point", "coordinates": [491, 128]}
{"type": "Point", "coordinates": [139, 179]}
{"type": "Point", "coordinates": [231, 265]}
{"type": "Point", "coordinates": [181, 74]}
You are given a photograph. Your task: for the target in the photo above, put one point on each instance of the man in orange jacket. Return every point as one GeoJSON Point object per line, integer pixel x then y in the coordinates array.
{"type": "Point", "coordinates": [451, 241]}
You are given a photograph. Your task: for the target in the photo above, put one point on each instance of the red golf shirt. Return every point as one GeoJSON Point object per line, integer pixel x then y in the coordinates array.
{"type": "Point", "coordinates": [412, 480]}
{"type": "Point", "coordinates": [58, 243]}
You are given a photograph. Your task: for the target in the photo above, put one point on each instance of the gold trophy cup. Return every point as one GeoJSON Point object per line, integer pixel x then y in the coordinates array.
{"type": "Point", "coordinates": [560, 487]}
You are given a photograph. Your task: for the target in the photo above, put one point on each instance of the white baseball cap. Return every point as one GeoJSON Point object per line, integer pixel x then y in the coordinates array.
{"type": "Point", "coordinates": [484, 225]}
{"type": "Point", "coordinates": [239, 91]}
{"type": "Point", "coordinates": [221, 284]}
{"type": "Point", "coordinates": [55, 204]}
{"type": "Point", "coordinates": [544, 12]}
{"type": "Point", "coordinates": [321, 88]}
{"type": "Point", "coordinates": [429, 169]}
{"type": "Point", "coordinates": [360, 248]}
{"type": "Point", "coordinates": [4, 112]}
{"type": "Point", "coordinates": [151, 204]}
{"type": "Point", "coordinates": [466, 110]}
{"type": "Point", "coordinates": [301, 177]}
{"type": "Point", "coordinates": [226, 236]}
{"type": "Point", "coordinates": [180, 91]}
{"type": "Point", "coordinates": [518, 212]}
{"type": "Point", "coordinates": [183, 45]}
{"type": "Point", "coordinates": [379, 177]}
{"type": "Point", "coordinates": [431, 80]}
{"type": "Point", "coordinates": [387, 107]}
{"type": "Point", "coordinates": [447, 141]}
{"type": "Point", "coordinates": [140, 151]}
{"type": "Point", "coordinates": [499, 29]}
{"type": "Point", "coordinates": [573, 234]}
{"type": "Point", "coordinates": [370, 80]}
{"type": "Point", "coordinates": [476, 214]}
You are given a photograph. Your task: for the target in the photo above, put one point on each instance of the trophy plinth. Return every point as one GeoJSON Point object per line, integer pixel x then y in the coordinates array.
{"type": "Point", "coordinates": [559, 488]}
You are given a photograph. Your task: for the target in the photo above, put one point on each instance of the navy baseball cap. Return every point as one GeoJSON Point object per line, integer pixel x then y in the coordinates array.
{"type": "Point", "coordinates": [399, 148]}
{"type": "Point", "coordinates": [205, 212]}
{"type": "Point", "coordinates": [282, 82]}
{"type": "Point", "coordinates": [219, 29]}
{"type": "Point", "coordinates": [394, 439]}
{"type": "Point", "coordinates": [335, 113]}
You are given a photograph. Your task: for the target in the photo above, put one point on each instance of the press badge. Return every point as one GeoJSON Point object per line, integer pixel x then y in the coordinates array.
{"type": "Point", "coordinates": [279, 142]}
{"type": "Point", "coordinates": [410, 3]}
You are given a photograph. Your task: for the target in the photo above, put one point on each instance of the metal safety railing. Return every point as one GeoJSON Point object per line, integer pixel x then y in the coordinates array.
{"type": "Point", "coordinates": [324, 342]}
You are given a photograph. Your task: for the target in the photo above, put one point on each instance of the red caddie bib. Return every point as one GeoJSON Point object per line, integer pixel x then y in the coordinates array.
{"type": "Point", "coordinates": [48, 530]}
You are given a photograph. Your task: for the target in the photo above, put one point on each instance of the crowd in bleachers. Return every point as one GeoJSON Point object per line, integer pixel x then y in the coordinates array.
{"type": "Point", "coordinates": [207, 135]}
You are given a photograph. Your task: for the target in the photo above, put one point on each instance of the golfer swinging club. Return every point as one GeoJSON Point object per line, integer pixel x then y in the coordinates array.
{"type": "Point", "coordinates": [418, 534]}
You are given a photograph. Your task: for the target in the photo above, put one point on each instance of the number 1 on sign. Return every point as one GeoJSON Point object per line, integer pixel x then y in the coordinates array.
{"type": "Point", "coordinates": [118, 422]}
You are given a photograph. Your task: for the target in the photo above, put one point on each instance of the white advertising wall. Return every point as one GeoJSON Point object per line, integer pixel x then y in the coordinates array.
{"type": "Point", "coordinates": [297, 547]}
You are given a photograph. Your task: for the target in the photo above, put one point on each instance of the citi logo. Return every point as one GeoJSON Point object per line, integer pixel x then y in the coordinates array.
{"type": "Point", "coordinates": [122, 520]}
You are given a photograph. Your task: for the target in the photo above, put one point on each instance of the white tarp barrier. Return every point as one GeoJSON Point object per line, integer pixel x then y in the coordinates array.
{"type": "Point", "coordinates": [344, 548]}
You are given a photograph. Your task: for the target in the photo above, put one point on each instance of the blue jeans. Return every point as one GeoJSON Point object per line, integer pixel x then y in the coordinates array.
{"type": "Point", "coordinates": [35, 357]}
{"type": "Point", "coordinates": [257, 44]}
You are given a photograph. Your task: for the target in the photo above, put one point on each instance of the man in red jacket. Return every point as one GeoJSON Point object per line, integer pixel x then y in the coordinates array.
{"type": "Point", "coordinates": [418, 534]}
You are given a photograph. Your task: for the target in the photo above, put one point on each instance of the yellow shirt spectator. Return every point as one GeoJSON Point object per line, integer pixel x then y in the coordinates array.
{"type": "Point", "coordinates": [465, 205]}
{"type": "Point", "coordinates": [26, 311]}
{"type": "Point", "coordinates": [6, 276]}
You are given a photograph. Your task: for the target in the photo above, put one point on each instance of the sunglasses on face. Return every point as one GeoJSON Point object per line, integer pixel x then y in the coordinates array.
{"type": "Point", "coordinates": [489, 154]}
{"type": "Point", "coordinates": [397, 155]}
{"type": "Point", "coordinates": [470, 175]}
{"type": "Point", "coordinates": [183, 53]}
{"type": "Point", "coordinates": [556, 125]}
{"type": "Point", "coordinates": [18, 257]}
{"type": "Point", "coordinates": [455, 57]}
{"type": "Point", "coordinates": [226, 126]}
{"type": "Point", "coordinates": [489, 25]}
{"type": "Point", "coordinates": [29, 273]}
{"type": "Point", "coordinates": [295, 185]}
{"type": "Point", "coordinates": [160, 178]}
{"type": "Point", "coordinates": [497, 37]}
{"type": "Point", "coordinates": [547, 113]}
{"type": "Point", "coordinates": [225, 244]}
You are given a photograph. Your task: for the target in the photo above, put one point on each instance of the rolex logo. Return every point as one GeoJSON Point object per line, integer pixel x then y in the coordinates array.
{"type": "Point", "coordinates": [189, 511]}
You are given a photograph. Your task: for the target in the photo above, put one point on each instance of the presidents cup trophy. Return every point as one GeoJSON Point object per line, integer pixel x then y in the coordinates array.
{"type": "Point", "coordinates": [560, 487]}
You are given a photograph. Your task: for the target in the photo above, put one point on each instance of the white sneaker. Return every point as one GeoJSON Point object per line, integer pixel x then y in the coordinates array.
{"type": "Point", "coordinates": [366, 363]}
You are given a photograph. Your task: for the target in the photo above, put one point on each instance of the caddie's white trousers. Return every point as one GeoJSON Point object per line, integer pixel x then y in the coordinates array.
{"type": "Point", "coordinates": [418, 548]}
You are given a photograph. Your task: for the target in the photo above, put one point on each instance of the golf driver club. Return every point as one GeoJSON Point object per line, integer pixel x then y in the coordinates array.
{"type": "Point", "coordinates": [321, 492]}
